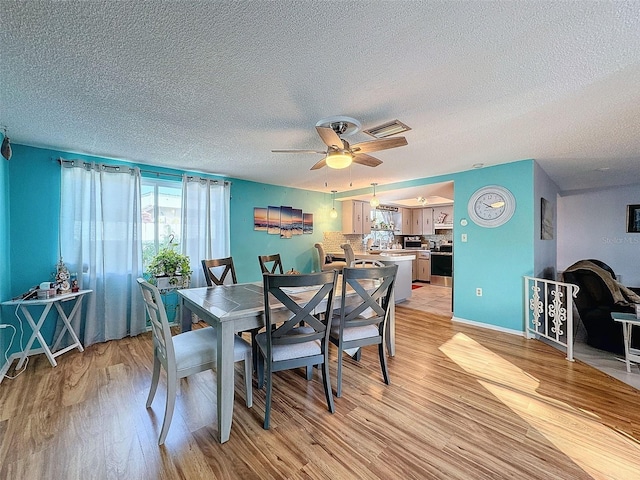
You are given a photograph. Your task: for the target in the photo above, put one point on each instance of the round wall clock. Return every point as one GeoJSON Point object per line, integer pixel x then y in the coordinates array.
{"type": "Point", "coordinates": [491, 206]}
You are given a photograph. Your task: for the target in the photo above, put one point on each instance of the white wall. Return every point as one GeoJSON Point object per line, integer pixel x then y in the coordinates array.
{"type": "Point", "coordinates": [593, 225]}
{"type": "Point", "coordinates": [545, 251]}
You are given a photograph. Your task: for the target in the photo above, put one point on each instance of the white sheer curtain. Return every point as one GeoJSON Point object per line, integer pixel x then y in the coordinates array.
{"type": "Point", "coordinates": [205, 222]}
{"type": "Point", "coordinates": [100, 239]}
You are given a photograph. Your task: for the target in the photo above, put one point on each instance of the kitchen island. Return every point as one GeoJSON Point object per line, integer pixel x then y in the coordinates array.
{"type": "Point", "coordinates": [404, 261]}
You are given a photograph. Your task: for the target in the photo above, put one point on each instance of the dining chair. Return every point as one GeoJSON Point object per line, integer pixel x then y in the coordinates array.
{"type": "Point", "coordinates": [362, 322]}
{"type": "Point", "coordinates": [285, 344]}
{"type": "Point", "coordinates": [328, 265]}
{"type": "Point", "coordinates": [275, 267]}
{"type": "Point", "coordinates": [213, 266]}
{"type": "Point", "coordinates": [184, 354]}
{"type": "Point", "coordinates": [349, 256]}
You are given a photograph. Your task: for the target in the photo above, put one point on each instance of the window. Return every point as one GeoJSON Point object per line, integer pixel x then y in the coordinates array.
{"type": "Point", "coordinates": [161, 215]}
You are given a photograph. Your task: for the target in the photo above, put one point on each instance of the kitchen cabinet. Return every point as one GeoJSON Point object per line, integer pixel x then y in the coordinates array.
{"type": "Point", "coordinates": [422, 221]}
{"type": "Point", "coordinates": [427, 221]}
{"type": "Point", "coordinates": [416, 221]}
{"type": "Point", "coordinates": [356, 217]}
{"type": "Point", "coordinates": [406, 221]}
{"type": "Point", "coordinates": [424, 269]}
{"type": "Point", "coordinates": [414, 269]}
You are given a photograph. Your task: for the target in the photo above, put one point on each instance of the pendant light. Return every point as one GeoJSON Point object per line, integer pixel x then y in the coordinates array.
{"type": "Point", "coordinates": [333, 213]}
{"type": "Point", "coordinates": [374, 202]}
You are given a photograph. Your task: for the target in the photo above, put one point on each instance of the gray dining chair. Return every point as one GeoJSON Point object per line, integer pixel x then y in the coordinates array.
{"type": "Point", "coordinates": [362, 322]}
{"type": "Point", "coordinates": [285, 344]}
{"type": "Point", "coordinates": [270, 263]}
{"type": "Point", "coordinates": [184, 354]}
{"type": "Point", "coordinates": [218, 271]}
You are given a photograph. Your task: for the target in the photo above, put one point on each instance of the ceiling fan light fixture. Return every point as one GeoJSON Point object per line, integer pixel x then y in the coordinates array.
{"type": "Point", "coordinates": [338, 159]}
{"type": "Point", "coordinates": [387, 129]}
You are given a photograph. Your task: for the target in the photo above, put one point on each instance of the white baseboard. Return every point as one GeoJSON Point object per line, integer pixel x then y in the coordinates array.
{"type": "Point", "coordinates": [489, 326]}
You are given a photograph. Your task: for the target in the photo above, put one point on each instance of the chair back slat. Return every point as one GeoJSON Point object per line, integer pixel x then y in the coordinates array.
{"type": "Point", "coordinates": [313, 311]}
{"type": "Point", "coordinates": [275, 267]}
{"type": "Point", "coordinates": [211, 267]}
{"type": "Point", "coordinates": [360, 280]}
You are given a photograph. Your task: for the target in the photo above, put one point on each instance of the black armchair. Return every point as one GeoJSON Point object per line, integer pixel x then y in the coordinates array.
{"type": "Point", "coordinates": [595, 302]}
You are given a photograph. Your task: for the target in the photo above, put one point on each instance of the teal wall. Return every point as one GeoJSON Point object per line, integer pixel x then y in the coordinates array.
{"type": "Point", "coordinates": [493, 259]}
{"type": "Point", "coordinates": [297, 252]}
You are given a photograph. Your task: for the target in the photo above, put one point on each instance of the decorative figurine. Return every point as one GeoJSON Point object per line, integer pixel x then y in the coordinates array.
{"type": "Point", "coordinates": [62, 278]}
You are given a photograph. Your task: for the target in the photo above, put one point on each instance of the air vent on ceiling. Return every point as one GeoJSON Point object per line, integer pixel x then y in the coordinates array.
{"type": "Point", "coordinates": [387, 129]}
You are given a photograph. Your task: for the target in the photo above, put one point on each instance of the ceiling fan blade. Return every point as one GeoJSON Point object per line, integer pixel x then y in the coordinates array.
{"type": "Point", "coordinates": [329, 137]}
{"type": "Point", "coordinates": [320, 164]}
{"type": "Point", "coordinates": [299, 151]}
{"type": "Point", "coordinates": [368, 160]}
{"type": "Point", "coordinates": [377, 145]}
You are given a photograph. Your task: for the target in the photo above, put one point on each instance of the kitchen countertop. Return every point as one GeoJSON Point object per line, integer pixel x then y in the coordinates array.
{"type": "Point", "coordinates": [390, 255]}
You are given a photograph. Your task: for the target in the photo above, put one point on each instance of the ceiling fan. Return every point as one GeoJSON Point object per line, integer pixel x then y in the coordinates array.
{"type": "Point", "coordinates": [339, 153]}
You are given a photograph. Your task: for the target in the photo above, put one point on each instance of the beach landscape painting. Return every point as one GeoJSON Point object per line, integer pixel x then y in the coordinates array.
{"type": "Point", "coordinates": [284, 221]}
{"type": "Point", "coordinates": [273, 220]}
{"type": "Point", "coordinates": [296, 221]}
{"type": "Point", "coordinates": [307, 223]}
{"type": "Point", "coordinates": [260, 219]}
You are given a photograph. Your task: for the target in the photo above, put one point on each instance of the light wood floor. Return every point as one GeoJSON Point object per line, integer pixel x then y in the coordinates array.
{"type": "Point", "coordinates": [464, 403]}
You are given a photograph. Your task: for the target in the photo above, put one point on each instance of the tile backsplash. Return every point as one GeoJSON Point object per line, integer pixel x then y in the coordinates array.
{"type": "Point", "coordinates": [333, 240]}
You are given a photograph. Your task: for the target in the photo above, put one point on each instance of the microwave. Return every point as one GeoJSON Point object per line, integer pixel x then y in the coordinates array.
{"type": "Point", "coordinates": [412, 243]}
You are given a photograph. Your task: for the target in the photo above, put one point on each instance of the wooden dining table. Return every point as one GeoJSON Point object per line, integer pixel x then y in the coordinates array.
{"type": "Point", "coordinates": [236, 308]}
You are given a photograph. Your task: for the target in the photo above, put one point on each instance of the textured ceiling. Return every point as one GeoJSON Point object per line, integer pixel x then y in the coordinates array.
{"type": "Point", "coordinates": [214, 86]}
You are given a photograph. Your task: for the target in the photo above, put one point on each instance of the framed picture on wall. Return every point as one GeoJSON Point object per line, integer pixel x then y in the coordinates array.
{"type": "Point", "coordinates": [273, 220]}
{"type": "Point", "coordinates": [260, 220]}
{"type": "Point", "coordinates": [296, 221]}
{"type": "Point", "coordinates": [633, 218]}
{"type": "Point", "coordinates": [307, 222]}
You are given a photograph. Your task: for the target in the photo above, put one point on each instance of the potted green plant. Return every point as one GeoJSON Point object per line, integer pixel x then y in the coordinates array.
{"type": "Point", "coordinates": [169, 268]}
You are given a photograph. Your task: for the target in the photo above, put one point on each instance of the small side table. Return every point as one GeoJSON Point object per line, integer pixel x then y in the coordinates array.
{"type": "Point", "coordinates": [628, 321]}
{"type": "Point", "coordinates": [24, 306]}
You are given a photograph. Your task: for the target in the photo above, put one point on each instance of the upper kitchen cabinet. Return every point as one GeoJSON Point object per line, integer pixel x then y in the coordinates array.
{"type": "Point", "coordinates": [443, 217]}
{"type": "Point", "coordinates": [406, 221]}
{"type": "Point", "coordinates": [416, 221]}
{"type": "Point", "coordinates": [422, 221]}
{"type": "Point", "coordinates": [427, 221]}
{"type": "Point", "coordinates": [356, 217]}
